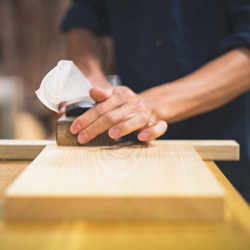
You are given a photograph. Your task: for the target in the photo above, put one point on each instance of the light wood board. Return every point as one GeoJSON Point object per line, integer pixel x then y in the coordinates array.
{"type": "Point", "coordinates": [215, 150]}
{"type": "Point", "coordinates": [231, 233]}
{"type": "Point", "coordinates": [128, 182]}
{"type": "Point", "coordinates": [210, 150]}
{"type": "Point", "coordinates": [22, 149]}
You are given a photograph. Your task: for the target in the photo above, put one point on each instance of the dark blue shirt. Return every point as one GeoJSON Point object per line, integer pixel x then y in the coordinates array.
{"type": "Point", "coordinates": [162, 40]}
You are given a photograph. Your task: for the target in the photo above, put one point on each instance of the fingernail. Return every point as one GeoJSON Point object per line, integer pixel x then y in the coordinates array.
{"type": "Point", "coordinates": [143, 136]}
{"type": "Point", "coordinates": [83, 138]}
{"type": "Point", "coordinates": [75, 128]}
{"type": "Point", "coordinates": [114, 132]}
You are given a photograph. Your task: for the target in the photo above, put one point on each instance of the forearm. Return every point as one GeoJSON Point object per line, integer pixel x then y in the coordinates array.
{"type": "Point", "coordinates": [213, 85]}
{"type": "Point", "coordinates": [86, 49]}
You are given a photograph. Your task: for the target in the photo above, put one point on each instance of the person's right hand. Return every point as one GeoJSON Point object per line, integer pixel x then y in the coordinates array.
{"type": "Point", "coordinates": [120, 111]}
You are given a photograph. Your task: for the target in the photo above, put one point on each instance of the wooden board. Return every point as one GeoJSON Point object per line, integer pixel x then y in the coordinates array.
{"type": "Point", "coordinates": [121, 182]}
{"type": "Point", "coordinates": [230, 234]}
{"type": "Point", "coordinates": [210, 150]}
{"type": "Point", "coordinates": [216, 150]}
{"type": "Point", "coordinates": [22, 149]}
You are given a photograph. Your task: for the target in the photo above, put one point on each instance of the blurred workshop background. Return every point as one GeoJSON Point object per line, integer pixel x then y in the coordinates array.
{"type": "Point", "coordinates": [30, 45]}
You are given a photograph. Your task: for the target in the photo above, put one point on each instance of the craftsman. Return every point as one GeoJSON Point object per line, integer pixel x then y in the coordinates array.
{"type": "Point", "coordinates": [186, 63]}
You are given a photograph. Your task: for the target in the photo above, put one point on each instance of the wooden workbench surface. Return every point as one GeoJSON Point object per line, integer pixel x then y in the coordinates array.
{"type": "Point", "coordinates": [232, 233]}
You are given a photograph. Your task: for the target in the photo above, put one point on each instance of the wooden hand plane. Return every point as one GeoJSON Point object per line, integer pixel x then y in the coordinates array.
{"type": "Point", "coordinates": [63, 134]}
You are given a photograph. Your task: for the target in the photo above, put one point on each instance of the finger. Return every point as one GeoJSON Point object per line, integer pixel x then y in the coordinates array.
{"type": "Point", "coordinates": [130, 125]}
{"type": "Point", "coordinates": [99, 126]}
{"type": "Point", "coordinates": [90, 116]}
{"type": "Point", "coordinates": [99, 94]}
{"type": "Point", "coordinates": [62, 108]}
{"type": "Point", "coordinates": [153, 131]}
{"type": "Point", "coordinates": [110, 119]}
{"type": "Point", "coordinates": [62, 111]}
{"type": "Point", "coordinates": [96, 112]}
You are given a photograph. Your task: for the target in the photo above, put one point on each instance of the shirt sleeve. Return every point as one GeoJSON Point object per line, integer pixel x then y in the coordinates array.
{"type": "Point", "coordinates": [88, 14]}
{"type": "Point", "coordinates": [239, 18]}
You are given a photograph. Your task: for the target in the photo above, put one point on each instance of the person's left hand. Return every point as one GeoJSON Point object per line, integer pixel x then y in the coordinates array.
{"type": "Point", "coordinates": [120, 111]}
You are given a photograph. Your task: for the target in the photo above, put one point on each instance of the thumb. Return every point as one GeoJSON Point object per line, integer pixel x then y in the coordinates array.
{"type": "Point", "coordinates": [99, 94]}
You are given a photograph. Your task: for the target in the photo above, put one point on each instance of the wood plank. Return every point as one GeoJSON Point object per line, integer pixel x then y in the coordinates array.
{"type": "Point", "coordinates": [9, 170]}
{"type": "Point", "coordinates": [121, 182]}
{"type": "Point", "coordinates": [22, 149]}
{"type": "Point", "coordinates": [219, 150]}
{"type": "Point", "coordinates": [232, 233]}
{"type": "Point", "coordinates": [211, 150]}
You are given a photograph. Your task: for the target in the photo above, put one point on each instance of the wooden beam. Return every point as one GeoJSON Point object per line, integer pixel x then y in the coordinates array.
{"type": "Point", "coordinates": [121, 182]}
{"type": "Point", "coordinates": [22, 149]}
{"type": "Point", "coordinates": [210, 150]}
{"type": "Point", "coordinates": [216, 150]}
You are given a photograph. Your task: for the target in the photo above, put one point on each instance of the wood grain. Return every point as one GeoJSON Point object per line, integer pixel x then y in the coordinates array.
{"type": "Point", "coordinates": [9, 170]}
{"type": "Point", "coordinates": [219, 150]}
{"type": "Point", "coordinates": [121, 182]}
{"type": "Point", "coordinates": [231, 233]}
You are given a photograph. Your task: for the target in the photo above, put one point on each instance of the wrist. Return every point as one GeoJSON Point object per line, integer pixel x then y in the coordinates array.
{"type": "Point", "coordinates": [152, 99]}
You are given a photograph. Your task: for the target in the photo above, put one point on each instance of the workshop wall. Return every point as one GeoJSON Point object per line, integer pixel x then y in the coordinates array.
{"type": "Point", "coordinates": [30, 45]}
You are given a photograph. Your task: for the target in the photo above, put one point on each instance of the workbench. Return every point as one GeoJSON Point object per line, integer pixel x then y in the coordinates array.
{"type": "Point", "coordinates": [231, 233]}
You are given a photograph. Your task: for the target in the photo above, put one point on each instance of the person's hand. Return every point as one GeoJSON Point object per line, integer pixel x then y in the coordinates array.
{"type": "Point", "coordinates": [120, 111]}
{"type": "Point", "coordinates": [62, 108]}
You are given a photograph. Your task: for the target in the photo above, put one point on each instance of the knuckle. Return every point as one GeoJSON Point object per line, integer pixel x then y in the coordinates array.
{"type": "Point", "coordinates": [125, 91]}
{"type": "Point", "coordinates": [99, 109]}
{"type": "Point", "coordinates": [143, 118]}
{"type": "Point", "coordinates": [139, 104]}
{"type": "Point", "coordinates": [110, 118]}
